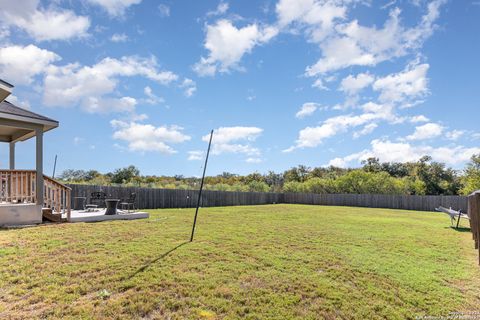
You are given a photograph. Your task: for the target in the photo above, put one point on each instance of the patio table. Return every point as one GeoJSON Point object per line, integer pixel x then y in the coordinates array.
{"type": "Point", "coordinates": [111, 206]}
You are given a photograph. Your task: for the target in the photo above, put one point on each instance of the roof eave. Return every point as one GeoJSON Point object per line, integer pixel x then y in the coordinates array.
{"type": "Point", "coordinates": [51, 124]}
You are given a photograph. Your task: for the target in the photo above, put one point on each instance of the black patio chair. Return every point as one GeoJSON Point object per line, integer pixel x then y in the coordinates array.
{"type": "Point", "coordinates": [98, 198]}
{"type": "Point", "coordinates": [128, 203]}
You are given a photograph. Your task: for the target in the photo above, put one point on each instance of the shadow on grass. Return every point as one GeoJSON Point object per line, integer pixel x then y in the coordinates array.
{"type": "Point", "coordinates": [459, 229]}
{"type": "Point", "coordinates": [161, 257]}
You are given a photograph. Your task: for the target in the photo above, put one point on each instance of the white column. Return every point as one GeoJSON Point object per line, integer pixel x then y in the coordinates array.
{"type": "Point", "coordinates": [12, 155]}
{"type": "Point", "coordinates": [39, 154]}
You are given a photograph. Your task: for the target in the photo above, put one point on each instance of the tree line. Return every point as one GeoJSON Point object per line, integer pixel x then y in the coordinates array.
{"type": "Point", "coordinates": [422, 177]}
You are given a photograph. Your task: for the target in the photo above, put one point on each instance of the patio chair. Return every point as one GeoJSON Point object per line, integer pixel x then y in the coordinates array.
{"type": "Point", "coordinates": [128, 203]}
{"type": "Point", "coordinates": [97, 199]}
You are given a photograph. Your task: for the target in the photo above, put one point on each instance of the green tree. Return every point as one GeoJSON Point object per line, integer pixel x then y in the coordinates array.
{"type": "Point", "coordinates": [294, 186]}
{"type": "Point", "coordinates": [471, 178]}
{"type": "Point", "coordinates": [298, 174]}
{"type": "Point", "coordinates": [258, 186]}
{"type": "Point", "coordinates": [319, 185]}
{"type": "Point", "coordinates": [372, 165]}
{"type": "Point", "coordinates": [124, 175]}
{"type": "Point", "coordinates": [361, 182]}
{"type": "Point", "coordinates": [437, 178]}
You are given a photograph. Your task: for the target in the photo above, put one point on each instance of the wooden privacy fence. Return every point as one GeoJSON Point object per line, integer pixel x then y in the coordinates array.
{"type": "Point", "coordinates": [474, 214]}
{"type": "Point", "coordinates": [407, 202]}
{"type": "Point", "coordinates": [150, 198]}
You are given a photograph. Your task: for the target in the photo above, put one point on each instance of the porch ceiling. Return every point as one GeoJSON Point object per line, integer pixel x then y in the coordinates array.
{"type": "Point", "coordinates": [8, 134]}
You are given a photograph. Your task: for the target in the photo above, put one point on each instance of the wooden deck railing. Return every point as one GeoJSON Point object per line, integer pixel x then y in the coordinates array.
{"type": "Point", "coordinates": [57, 196]}
{"type": "Point", "coordinates": [19, 186]}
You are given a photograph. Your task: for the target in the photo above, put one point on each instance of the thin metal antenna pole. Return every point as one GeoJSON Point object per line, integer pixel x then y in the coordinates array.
{"type": "Point", "coordinates": [54, 167]}
{"type": "Point", "coordinates": [201, 187]}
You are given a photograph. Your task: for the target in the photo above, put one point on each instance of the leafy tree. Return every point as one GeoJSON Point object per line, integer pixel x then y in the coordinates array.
{"type": "Point", "coordinates": [91, 174]}
{"type": "Point", "coordinates": [298, 174]}
{"type": "Point", "coordinates": [372, 165]}
{"type": "Point", "coordinates": [258, 186]}
{"type": "Point", "coordinates": [319, 185]}
{"type": "Point", "coordinates": [294, 186]}
{"type": "Point", "coordinates": [396, 169]}
{"type": "Point", "coordinates": [254, 177]}
{"type": "Point", "coordinates": [124, 175]}
{"type": "Point", "coordinates": [437, 179]}
{"type": "Point", "coordinates": [274, 180]}
{"type": "Point", "coordinates": [471, 179]}
{"type": "Point", "coordinates": [73, 175]}
{"type": "Point", "coordinates": [359, 182]}
{"type": "Point", "coordinates": [228, 175]}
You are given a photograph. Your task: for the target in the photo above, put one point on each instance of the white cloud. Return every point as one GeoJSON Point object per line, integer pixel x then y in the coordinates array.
{"type": "Point", "coordinates": [319, 84]}
{"type": "Point", "coordinates": [148, 138]}
{"type": "Point", "coordinates": [366, 130]}
{"type": "Point", "coordinates": [221, 9]}
{"type": "Point", "coordinates": [307, 109]}
{"type": "Point", "coordinates": [115, 8]}
{"type": "Point", "coordinates": [337, 162]}
{"type": "Point", "coordinates": [419, 118]}
{"type": "Point", "coordinates": [351, 44]}
{"type": "Point", "coordinates": [426, 131]}
{"type": "Point", "coordinates": [454, 134]}
{"type": "Point", "coordinates": [73, 84]}
{"type": "Point", "coordinates": [25, 104]}
{"type": "Point", "coordinates": [340, 53]}
{"type": "Point", "coordinates": [109, 105]}
{"type": "Point", "coordinates": [353, 84]}
{"type": "Point", "coordinates": [164, 10]}
{"type": "Point", "coordinates": [387, 151]}
{"type": "Point", "coordinates": [234, 140]}
{"type": "Point", "coordinates": [4, 32]}
{"type": "Point", "coordinates": [151, 97]}
{"type": "Point", "coordinates": [78, 140]}
{"type": "Point", "coordinates": [317, 17]}
{"type": "Point", "coordinates": [253, 160]}
{"type": "Point", "coordinates": [43, 24]}
{"type": "Point", "coordinates": [195, 155]}
{"type": "Point", "coordinates": [227, 45]}
{"type": "Point", "coordinates": [19, 65]}
{"type": "Point", "coordinates": [137, 117]}
{"type": "Point", "coordinates": [313, 136]}
{"type": "Point", "coordinates": [408, 85]}
{"type": "Point", "coordinates": [190, 87]}
{"type": "Point", "coordinates": [343, 43]}
{"type": "Point", "coordinates": [119, 37]}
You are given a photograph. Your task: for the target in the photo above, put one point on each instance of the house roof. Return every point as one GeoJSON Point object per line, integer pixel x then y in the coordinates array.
{"type": "Point", "coordinates": [18, 124]}
{"type": "Point", "coordinates": [5, 83]}
{"type": "Point", "coordinates": [10, 108]}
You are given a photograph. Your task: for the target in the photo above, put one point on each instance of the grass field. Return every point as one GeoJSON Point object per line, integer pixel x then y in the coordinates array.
{"type": "Point", "coordinates": [259, 262]}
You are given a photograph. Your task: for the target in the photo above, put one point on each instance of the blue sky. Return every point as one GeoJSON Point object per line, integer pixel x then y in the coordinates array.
{"type": "Point", "coordinates": [285, 82]}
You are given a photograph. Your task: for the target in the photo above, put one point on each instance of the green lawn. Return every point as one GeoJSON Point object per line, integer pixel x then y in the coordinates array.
{"type": "Point", "coordinates": [258, 262]}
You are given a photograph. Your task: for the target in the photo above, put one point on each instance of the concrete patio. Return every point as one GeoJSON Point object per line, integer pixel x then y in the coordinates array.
{"type": "Point", "coordinates": [99, 215]}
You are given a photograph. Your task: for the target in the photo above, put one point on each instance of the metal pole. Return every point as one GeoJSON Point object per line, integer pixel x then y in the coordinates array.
{"type": "Point", "coordinates": [54, 167]}
{"type": "Point", "coordinates": [201, 187]}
